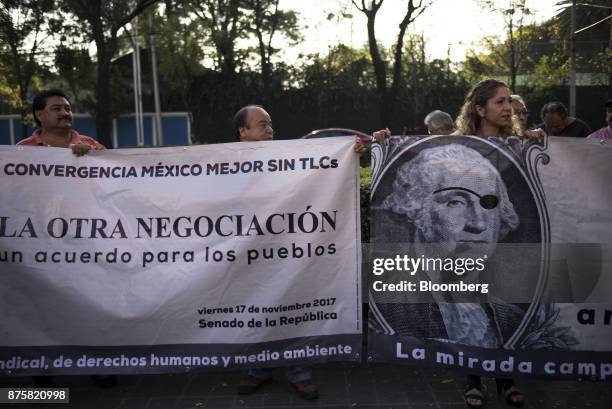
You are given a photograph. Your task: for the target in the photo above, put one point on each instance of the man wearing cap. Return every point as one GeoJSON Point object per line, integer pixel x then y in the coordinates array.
{"type": "Point", "coordinates": [606, 131]}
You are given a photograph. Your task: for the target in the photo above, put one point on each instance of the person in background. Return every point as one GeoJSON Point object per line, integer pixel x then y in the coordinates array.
{"type": "Point", "coordinates": [520, 110]}
{"type": "Point", "coordinates": [253, 124]}
{"type": "Point", "coordinates": [439, 123]}
{"type": "Point", "coordinates": [606, 131]}
{"type": "Point", "coordinates": [522, 114]}
{"type": "Point", "coordinates": [557, 122]}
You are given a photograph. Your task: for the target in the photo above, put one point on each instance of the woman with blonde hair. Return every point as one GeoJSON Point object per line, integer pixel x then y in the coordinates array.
{"type": "Point", "coordinates": [490, 110]}
{"type": "Point", "coordinates": [487, 111]}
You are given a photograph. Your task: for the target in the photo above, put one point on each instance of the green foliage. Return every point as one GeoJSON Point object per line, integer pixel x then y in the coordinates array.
{"type": "Point", "coordinates": [365, 176]}
{"type": "Point", "coordinates": [180, 50]}
{"type": "Point", "coordinates": [101, 20]}
{"type": "Point", "coordinates": [417, 95]}
{"type": "Point", "coordinates": [511, 54]}
{"type": "Point", "coordinates": [388, 81]}
{"type": "Point", "coordinates": [546, 64]}
{"type": "Point", "coordinates": [344, 74]}
{"type": "Point", "coordinates": [365, 185]}
{"type": "Point", "coordinates": [224, 23]}
{"type": "Point", "coordinates": [265, 20]}
{"type": "Point", "coordinates": [601, 63]}
{"type": "Point", "coordinates": [74, 70]}
{"type": "Point", "coordinates": [588, 12]}
{"type": "Point", "coordinates": [22, 25]}
{"type": "Point", "coordinates": [216, 55]}
{"type": "Point", "coordinates": [548, 72]}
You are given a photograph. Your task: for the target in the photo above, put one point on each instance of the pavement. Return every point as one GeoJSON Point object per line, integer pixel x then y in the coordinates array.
{"type": "Point", "coordinates": [342, 385]}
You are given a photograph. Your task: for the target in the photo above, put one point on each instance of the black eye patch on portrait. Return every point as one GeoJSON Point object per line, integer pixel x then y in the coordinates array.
{"type": "Point", "coordinates": [486, 202]}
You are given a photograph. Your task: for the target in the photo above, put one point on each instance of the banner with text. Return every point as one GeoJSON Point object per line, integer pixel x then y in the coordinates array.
{"type": "Point", "coordinates": [171, 259]}
{"type": "Point", "coordinates": [492, 256]}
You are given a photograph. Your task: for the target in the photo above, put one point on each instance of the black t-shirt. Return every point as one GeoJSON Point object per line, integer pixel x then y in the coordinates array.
{"type": "Point", "coordinates": [577, 129]}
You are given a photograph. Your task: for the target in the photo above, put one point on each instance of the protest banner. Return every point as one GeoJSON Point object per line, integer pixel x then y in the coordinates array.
{"type": "Point", "coordinates": [492, 256]}
{"type": "Point", "coordinates": [172, 259]}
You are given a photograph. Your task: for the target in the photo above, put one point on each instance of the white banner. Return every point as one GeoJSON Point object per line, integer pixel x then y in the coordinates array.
{"type": "Point", "coordinates": [231, 247]}
{"type": "Point", "coordinates": [493, 255]}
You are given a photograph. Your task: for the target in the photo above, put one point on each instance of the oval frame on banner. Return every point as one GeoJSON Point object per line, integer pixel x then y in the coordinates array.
{"type": "Point", "coordinates": [519, 159]}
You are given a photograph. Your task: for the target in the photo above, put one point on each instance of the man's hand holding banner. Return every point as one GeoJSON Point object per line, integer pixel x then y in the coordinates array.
{"type": "Point", "coordinates": [161, 260]}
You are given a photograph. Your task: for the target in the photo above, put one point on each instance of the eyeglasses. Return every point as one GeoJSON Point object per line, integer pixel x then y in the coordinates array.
{"type": "Point", "coordinates": [522, 112]}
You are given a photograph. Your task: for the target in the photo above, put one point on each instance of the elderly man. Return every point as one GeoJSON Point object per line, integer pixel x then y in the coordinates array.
{"type": "Point", "coordinates": [53, 115]}
{"type": "Point", "coordinates": [253, 124]}
{"type": "Point", "coordinates": [557, 122]}
{"type": "Point", "coordinates": [606, 131]}
{"type": "Point", "coordinates": [439, 123]}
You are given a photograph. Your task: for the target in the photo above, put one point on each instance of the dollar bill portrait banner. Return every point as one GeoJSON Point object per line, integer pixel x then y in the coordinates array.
{"type": "Point", "coordinates": [492, 256]}
{"type": "Point", "coordinates": [172, 259]}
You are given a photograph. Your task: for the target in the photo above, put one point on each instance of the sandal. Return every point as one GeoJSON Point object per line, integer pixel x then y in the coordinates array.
{"type": "Point", "coordinates": [473, 396]}
{"type": "Point", "coordinates": [512, 395]}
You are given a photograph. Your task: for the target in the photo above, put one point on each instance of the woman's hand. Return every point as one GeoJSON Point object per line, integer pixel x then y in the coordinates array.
{"type": "Point", "coordinates": [380, 136]}
{"type": "Point", "coordinates": [535, 134]}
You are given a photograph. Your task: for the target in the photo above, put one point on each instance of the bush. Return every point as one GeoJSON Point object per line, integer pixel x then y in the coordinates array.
{"type": "Point", "coordinates": [365, 186]}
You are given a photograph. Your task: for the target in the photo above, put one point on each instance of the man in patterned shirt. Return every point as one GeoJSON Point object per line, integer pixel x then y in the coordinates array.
{"type": "Point", "coordinates": [53, 115]}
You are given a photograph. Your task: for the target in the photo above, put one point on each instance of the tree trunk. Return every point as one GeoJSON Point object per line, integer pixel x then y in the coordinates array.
{"type": "Point", "coordinates": [380, 72]}
{"type": "Point", "coordinates": [266, 77]}
{"type": "Point", "coordinates": [23, 95]}
{"type": "Point", "coordinates": [24, 127]}
{"type": "Point", "coordinates": [266, 71]}
{"type": "Point", "coordinates": [397, 71]}
{"type": "Point", "coordinates": [513, 51]}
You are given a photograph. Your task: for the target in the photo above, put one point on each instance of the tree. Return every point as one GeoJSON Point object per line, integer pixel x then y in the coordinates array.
{"type": "Point", "coordinates": [388, 94]}
{"type": "Point", "coordinates": [223, 19]}
{"type": "Point", "coordinates": [21, 33]}
{"type": "Point", "coordinates": [100, 21]}
{"type": "Point", "coordinates": [73, 67]}
{"type": "Point", "coordinates": [593, 35]}
{"type": "Point", "coordinates": [544, 64]}
{"type": "Point", "coordinates": [268, 21]}
{"type": "Point", "coordinates": [594, 14]}
{"type": "Point", "coordinates": [515, 13]}
{"type": "Point", "coordinates": [180, 55]}
{"type": "Point", "coordinates": [336, 85]}
{"type": "Point", "coordinates": [428, 85]}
